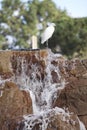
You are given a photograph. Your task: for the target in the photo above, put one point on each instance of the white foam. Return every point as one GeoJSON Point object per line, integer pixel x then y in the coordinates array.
{"type": "Point", "coordinates": [82, 126]}
{"type": "Point", "coordinates": [42, 91]}
{"type": "Point", "coordinates": [43, 118]}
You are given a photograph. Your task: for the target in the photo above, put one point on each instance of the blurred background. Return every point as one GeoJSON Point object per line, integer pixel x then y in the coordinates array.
{"type": "Point", "coordinates": [24, 20]}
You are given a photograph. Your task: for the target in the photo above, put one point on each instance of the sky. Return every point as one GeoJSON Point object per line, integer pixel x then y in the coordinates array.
{"type": "Point", "coordinates": [75, 8]}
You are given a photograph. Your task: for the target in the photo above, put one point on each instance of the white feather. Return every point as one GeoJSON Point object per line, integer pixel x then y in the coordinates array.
{"type": "Point", "coordinates": [47, 33]}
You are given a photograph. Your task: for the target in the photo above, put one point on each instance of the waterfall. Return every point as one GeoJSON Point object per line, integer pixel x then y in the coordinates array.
{"type": "Point", "coordinates": [41, 77]}
{"type": "Point", "coordinates": [43, 90]}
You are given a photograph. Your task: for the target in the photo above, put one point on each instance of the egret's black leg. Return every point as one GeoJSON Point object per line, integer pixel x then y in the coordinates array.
{"type": "Point", "coordinates": [47, 43]}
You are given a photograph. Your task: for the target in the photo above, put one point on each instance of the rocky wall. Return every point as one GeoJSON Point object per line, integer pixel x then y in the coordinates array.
{"type": "Point", "coordinates": [14, 103]}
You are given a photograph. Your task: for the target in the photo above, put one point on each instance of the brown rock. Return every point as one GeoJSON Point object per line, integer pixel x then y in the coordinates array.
{"type": "Point", "coordinates": [51, 120]}
{"type": "Point", "coordinates": [84, 119]}
{"type": "Point", "coordinates": [70, 123]}
{"type": "Point", "coordinates": [54, 77]}
{"type": "Point", "coordinates": [5, 64]}
{"type": "Point", "coordinates": [74, 95]}
{"type": "Point", "coordinates": [13, 103]}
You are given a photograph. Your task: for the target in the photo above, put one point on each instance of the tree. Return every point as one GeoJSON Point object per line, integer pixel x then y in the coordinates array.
{"type": "Point", "coordinates": [11, 15]}
{"type": "Point", "coordinates": [71, 36]}
{"type": "Point", "coordinates": [23, 19]}
{"type": "Point", "coordinates": [47, 12]}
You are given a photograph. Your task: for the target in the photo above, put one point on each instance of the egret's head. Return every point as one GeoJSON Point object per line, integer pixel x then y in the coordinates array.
{"type": "Point", "coordinates": [53, 24]}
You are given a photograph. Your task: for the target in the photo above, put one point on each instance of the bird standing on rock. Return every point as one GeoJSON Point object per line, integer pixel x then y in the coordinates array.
{"type": "Point", "coordinates": [47, 33]}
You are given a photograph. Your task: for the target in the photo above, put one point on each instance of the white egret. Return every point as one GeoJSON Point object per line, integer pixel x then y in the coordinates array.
{"type": "Point", "coordinates": [47, 33]}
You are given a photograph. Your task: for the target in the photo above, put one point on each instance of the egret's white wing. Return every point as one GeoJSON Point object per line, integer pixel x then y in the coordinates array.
{"type": "Point", "coordinates": [47, 34]}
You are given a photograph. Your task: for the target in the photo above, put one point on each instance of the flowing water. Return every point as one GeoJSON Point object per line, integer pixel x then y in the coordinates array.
{"type": "Point", "coordinates": [42, 89]}
{"type": "Point", "coordinates": [43, 81]}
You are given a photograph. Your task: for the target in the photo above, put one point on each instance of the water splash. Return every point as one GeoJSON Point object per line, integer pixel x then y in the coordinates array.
{"type": "Point", "coordinates": [43, 80]}
{"type": "Point", "coordinates": [41, 121]}
{"type": "Point", "coordinates": [38, 80]}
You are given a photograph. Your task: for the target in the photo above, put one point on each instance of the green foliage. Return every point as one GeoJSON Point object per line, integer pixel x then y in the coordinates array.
{"type": "Point", "coordinates": [1, 41]}
{"type": "Point", "coordinates": [24, 25]}
{"type": "Point", "coordinates": [47, 12]}
{"type": "Point", "coordinates": [70, 34]}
